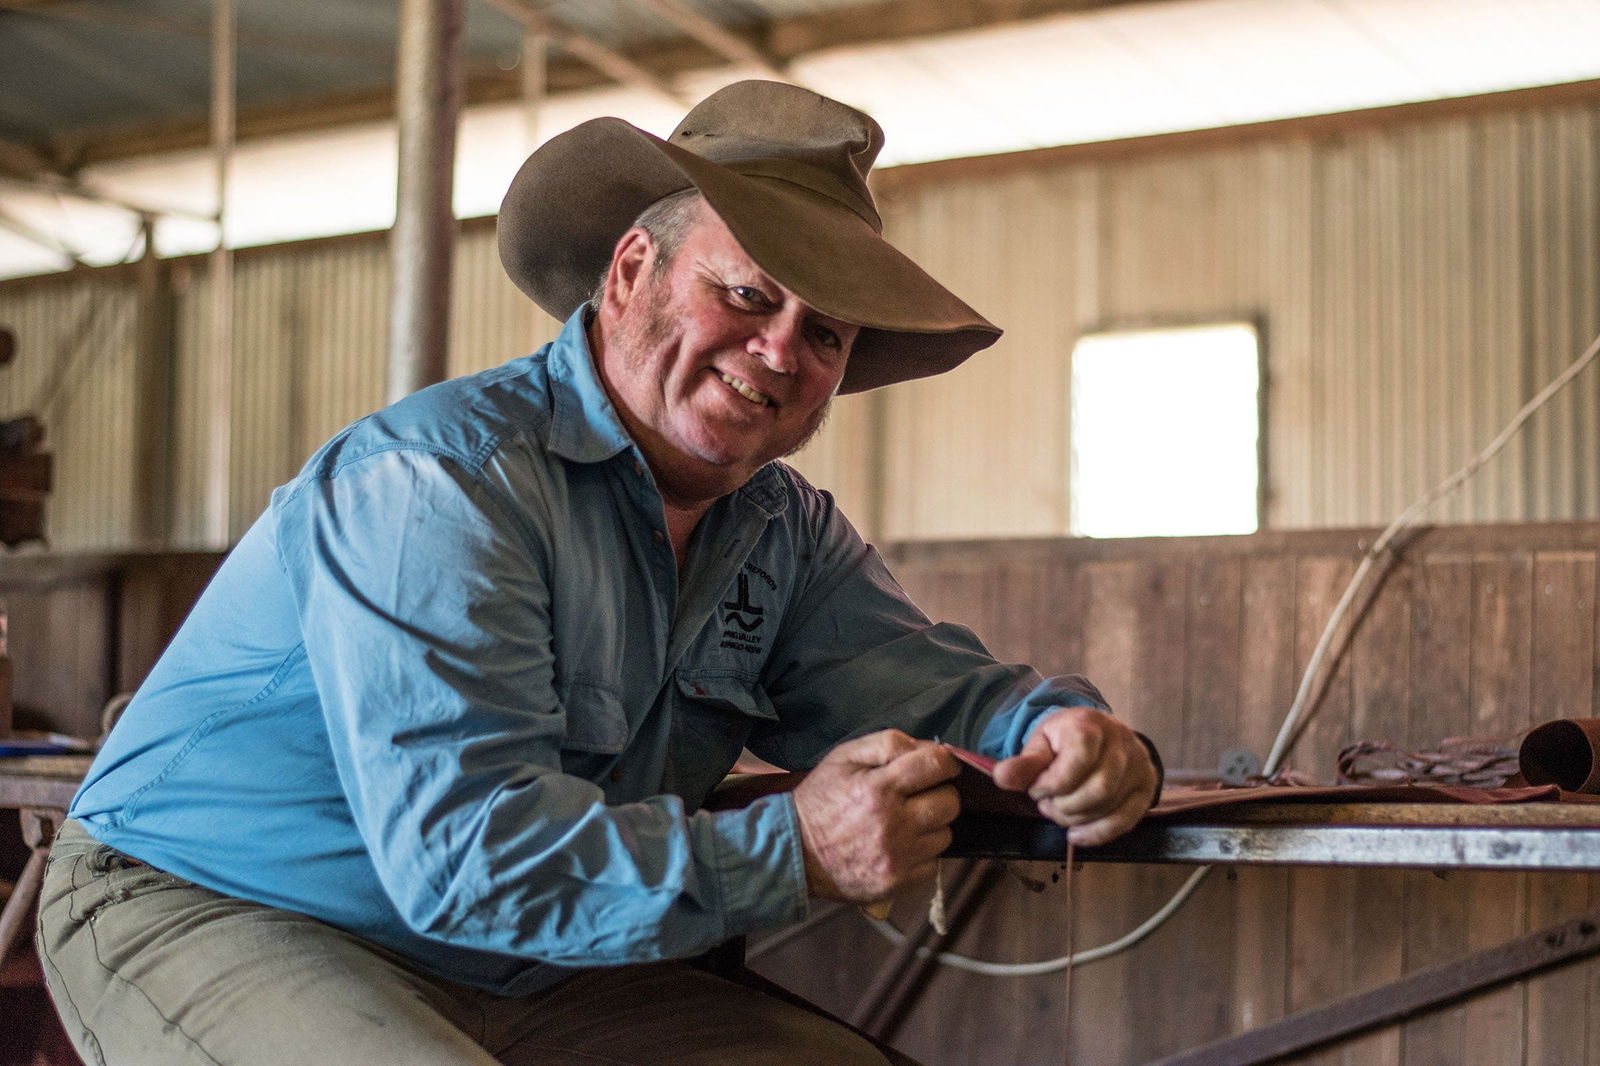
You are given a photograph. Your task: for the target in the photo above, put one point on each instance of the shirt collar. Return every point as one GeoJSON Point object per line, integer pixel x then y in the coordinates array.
{"type": "Point", "coordinates": [585, 427]}
{"type": "Point", "coordinates": [766, 490]}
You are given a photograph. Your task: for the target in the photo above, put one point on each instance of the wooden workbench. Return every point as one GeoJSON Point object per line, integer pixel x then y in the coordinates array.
{"type": "Point", "coordinates": [1513, 836]}
{"type": "Point", "coordinates": [39, 789]}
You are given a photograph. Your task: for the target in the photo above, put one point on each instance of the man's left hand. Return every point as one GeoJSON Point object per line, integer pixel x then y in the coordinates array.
{"type": "Point", "coordinates": [1084, 770]}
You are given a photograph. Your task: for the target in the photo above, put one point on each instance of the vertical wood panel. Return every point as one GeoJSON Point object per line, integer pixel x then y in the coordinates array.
{"type": "Point", "coordinates": [1266, 689]}
{"type": "Point", "coordinates": [1111, 651]}
{"type": "Point", "coordinates": [1380, 668]}
{"type": "Point", "coordinates": [1323, 946]}
{"type": "Point", "coordinates": [1563, 631]}
{"type": "Point", "coordinates": [1437, 908]}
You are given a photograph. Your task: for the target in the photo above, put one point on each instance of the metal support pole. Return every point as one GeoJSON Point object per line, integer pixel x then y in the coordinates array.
{"type": "Point", "coordinates": [427, 103]}
{"type": "Point", "coordinates": [219, 396]}
{"type": "Point", "coordinates": [535, 86]}
{"type": "Point", "coordinates": [152, 427]}
{"type": "Point", "coordinates": [897, 977]}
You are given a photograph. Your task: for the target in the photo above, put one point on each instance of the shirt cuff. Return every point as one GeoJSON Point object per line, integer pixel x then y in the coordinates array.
{"type": "Point", "coordinates": [1009, 730]}
{"type": "Point", "coordinates": [760, 867]}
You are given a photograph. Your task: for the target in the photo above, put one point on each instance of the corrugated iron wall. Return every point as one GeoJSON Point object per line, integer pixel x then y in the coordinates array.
{"type": "Point", "coordinates": [1415, 282]}
{"type": "Point", "coordinates": [73, 369]}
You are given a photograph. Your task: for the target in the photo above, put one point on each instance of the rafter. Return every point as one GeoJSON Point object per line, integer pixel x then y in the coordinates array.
{"type": "Point", "coordinates": [715, 36]}
{"type": "Point", "coordinates": [52, 181]}
{"type": "Point", "coordinates": [608, 61]}
{"type": "Point", "coordinates": [70, 256]}
{"type": "Point", "coordinates": [649, 65]}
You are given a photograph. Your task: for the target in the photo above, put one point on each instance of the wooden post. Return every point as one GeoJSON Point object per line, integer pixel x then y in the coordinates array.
{"type": "Point", "coordinates": [152, 423]}
{"type": "Point", "coordinates": [427, 103]}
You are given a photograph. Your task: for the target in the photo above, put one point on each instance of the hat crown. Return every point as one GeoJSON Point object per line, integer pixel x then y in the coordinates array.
{"type": "Point", "coordinates": [771, 129]}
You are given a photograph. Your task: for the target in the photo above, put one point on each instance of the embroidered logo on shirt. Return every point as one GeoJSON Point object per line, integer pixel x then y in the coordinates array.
{"type": "Point", "coordinates": [737, 610]}
{"type": "Point", "coordinates": [742, 617]}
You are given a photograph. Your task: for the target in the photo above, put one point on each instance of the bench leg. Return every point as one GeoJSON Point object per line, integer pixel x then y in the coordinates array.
{"type": "Point", "coordinates": [38, 830]}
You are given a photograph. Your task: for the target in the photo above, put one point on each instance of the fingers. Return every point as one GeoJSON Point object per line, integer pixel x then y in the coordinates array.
{"type": "Point", "coordinates": [874, 815]}
{"type": "Point", "coordinates": [1019, 772]}
{"type": "Point", "coordinates": [920, 769]}
{"type": "Point", "coordinates": [933, 809]}
{"type": "Point", "coordinates": [874, 749]}
{"type": "Point", "coordinates": [908, 765]}
{"type": "Point", "coordinates": [1099, 780]}
{"type": "Point", "coordinates": [1103, 830]}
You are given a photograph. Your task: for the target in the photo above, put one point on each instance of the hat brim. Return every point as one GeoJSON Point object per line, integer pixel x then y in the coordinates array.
{"type": "Point", "coordinates": [580, 192]}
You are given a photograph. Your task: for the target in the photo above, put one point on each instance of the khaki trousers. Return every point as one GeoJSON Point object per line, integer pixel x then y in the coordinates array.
{"type": "Point", "coordinates": [147, 968]}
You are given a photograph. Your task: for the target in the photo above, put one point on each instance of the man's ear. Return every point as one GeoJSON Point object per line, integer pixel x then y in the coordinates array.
{"type": "Point", "coordinates": [631, 261]}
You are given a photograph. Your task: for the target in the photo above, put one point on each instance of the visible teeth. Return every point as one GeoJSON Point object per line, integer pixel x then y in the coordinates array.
{"type": "Point", "coordinates": [745, 390]}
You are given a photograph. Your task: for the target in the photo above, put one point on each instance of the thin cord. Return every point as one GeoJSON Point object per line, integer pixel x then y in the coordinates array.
{"type": "Point", "coordinates": [1066, 1055]}
{"type": "Point", "coordinates": [1079, 958]}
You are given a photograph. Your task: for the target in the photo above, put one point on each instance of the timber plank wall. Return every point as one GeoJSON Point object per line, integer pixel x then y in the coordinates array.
{"type": "Point", "coordinates": [83, 627]}
{"type": "Point", "coordinates": [1199, 643]}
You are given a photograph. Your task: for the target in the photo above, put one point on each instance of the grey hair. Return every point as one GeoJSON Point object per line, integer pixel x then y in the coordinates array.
{"type": "Point", "coordinates": [667, 221]}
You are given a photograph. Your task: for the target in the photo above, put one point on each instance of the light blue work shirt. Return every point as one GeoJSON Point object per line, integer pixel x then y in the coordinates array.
{"type": "Point", "coordinates": [451, 694]}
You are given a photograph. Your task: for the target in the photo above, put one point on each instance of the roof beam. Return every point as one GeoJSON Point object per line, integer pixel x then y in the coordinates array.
{"type": "Point", "coordinates": [899, 19]}
{"type": "Point", "coordinates": [67, 185]}
{"type": "Point", "coordinates": [715, 36]}
{"type": "Point", "coordinates": [648, 66]}
{"type": "Point", "coordinates": [609, 62]}
{"type": "Point", "coordinates": [69, 255]}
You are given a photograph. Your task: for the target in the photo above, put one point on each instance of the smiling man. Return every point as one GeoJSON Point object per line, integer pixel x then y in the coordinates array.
{"type": "Point", "coordinates": [422, 778]}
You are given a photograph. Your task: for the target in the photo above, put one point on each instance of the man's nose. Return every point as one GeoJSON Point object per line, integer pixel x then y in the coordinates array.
{"type": "Point", "coordinates": [779, 341]}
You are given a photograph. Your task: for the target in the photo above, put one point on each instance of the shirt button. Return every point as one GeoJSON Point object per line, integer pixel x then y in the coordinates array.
{"type": "Point", "coordinates": [660, 537]}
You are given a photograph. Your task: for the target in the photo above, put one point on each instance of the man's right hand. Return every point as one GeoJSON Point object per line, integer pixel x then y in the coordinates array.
{"type": "Point", "coordinates": [875, 814]}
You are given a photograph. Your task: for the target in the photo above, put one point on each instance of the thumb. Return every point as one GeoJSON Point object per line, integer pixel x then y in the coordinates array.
{"type": "Point", "coordinates": [1020, 771]}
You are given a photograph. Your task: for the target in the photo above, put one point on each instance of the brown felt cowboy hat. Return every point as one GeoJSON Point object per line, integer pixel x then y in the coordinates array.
{"type": "Point", "coordinates": [786, 169]}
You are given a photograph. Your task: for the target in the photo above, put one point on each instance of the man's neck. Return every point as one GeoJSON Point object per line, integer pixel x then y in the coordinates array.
{"type": "Point", "coordinates": [681, 524]}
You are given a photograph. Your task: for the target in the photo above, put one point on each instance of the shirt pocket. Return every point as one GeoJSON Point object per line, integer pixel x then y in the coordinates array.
{"type": "Point", "coordinates": [596, 728]}
{"type": "Point", "coordinates": [713, 719]}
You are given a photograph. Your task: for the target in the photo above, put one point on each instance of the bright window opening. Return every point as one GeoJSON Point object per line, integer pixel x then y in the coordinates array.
{"type": "Point", "coordinates": [1165, 430]}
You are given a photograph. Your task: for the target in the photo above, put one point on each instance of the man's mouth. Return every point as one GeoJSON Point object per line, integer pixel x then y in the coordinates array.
{"type": "Point", "coordinates": [743, 389]}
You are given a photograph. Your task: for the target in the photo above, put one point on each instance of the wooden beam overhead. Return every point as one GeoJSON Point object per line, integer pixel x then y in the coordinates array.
{"type": "Point", "coordinates": [612, 63]}
{"type": "Point", "coordinates": [900, 19]}
{"type": "Point", "coordinates": [586, 64]}
{"type": "Point", "coordinates": [715, 36]}
{"type": "Point", "coordinates": [70, 256]}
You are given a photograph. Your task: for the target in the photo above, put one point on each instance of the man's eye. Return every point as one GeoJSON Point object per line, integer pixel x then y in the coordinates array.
{"type": "Point", "coordinates": [749, 294]}
{"type": "Point", "coordinates": [827, 338]}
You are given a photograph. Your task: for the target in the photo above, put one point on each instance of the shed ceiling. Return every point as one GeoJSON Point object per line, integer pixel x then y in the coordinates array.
{"type": "Point", "coordinates": [109, 98]}
{"type": "Point", "coordinates": [88, 80]}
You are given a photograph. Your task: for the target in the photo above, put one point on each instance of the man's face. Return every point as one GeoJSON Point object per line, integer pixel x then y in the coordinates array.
{"type": "Point", "coordinates": [715, 368]}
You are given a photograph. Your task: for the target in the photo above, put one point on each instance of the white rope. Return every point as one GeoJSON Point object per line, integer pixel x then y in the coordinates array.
{"type": "Point", "coordinates": [1079, 958]}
